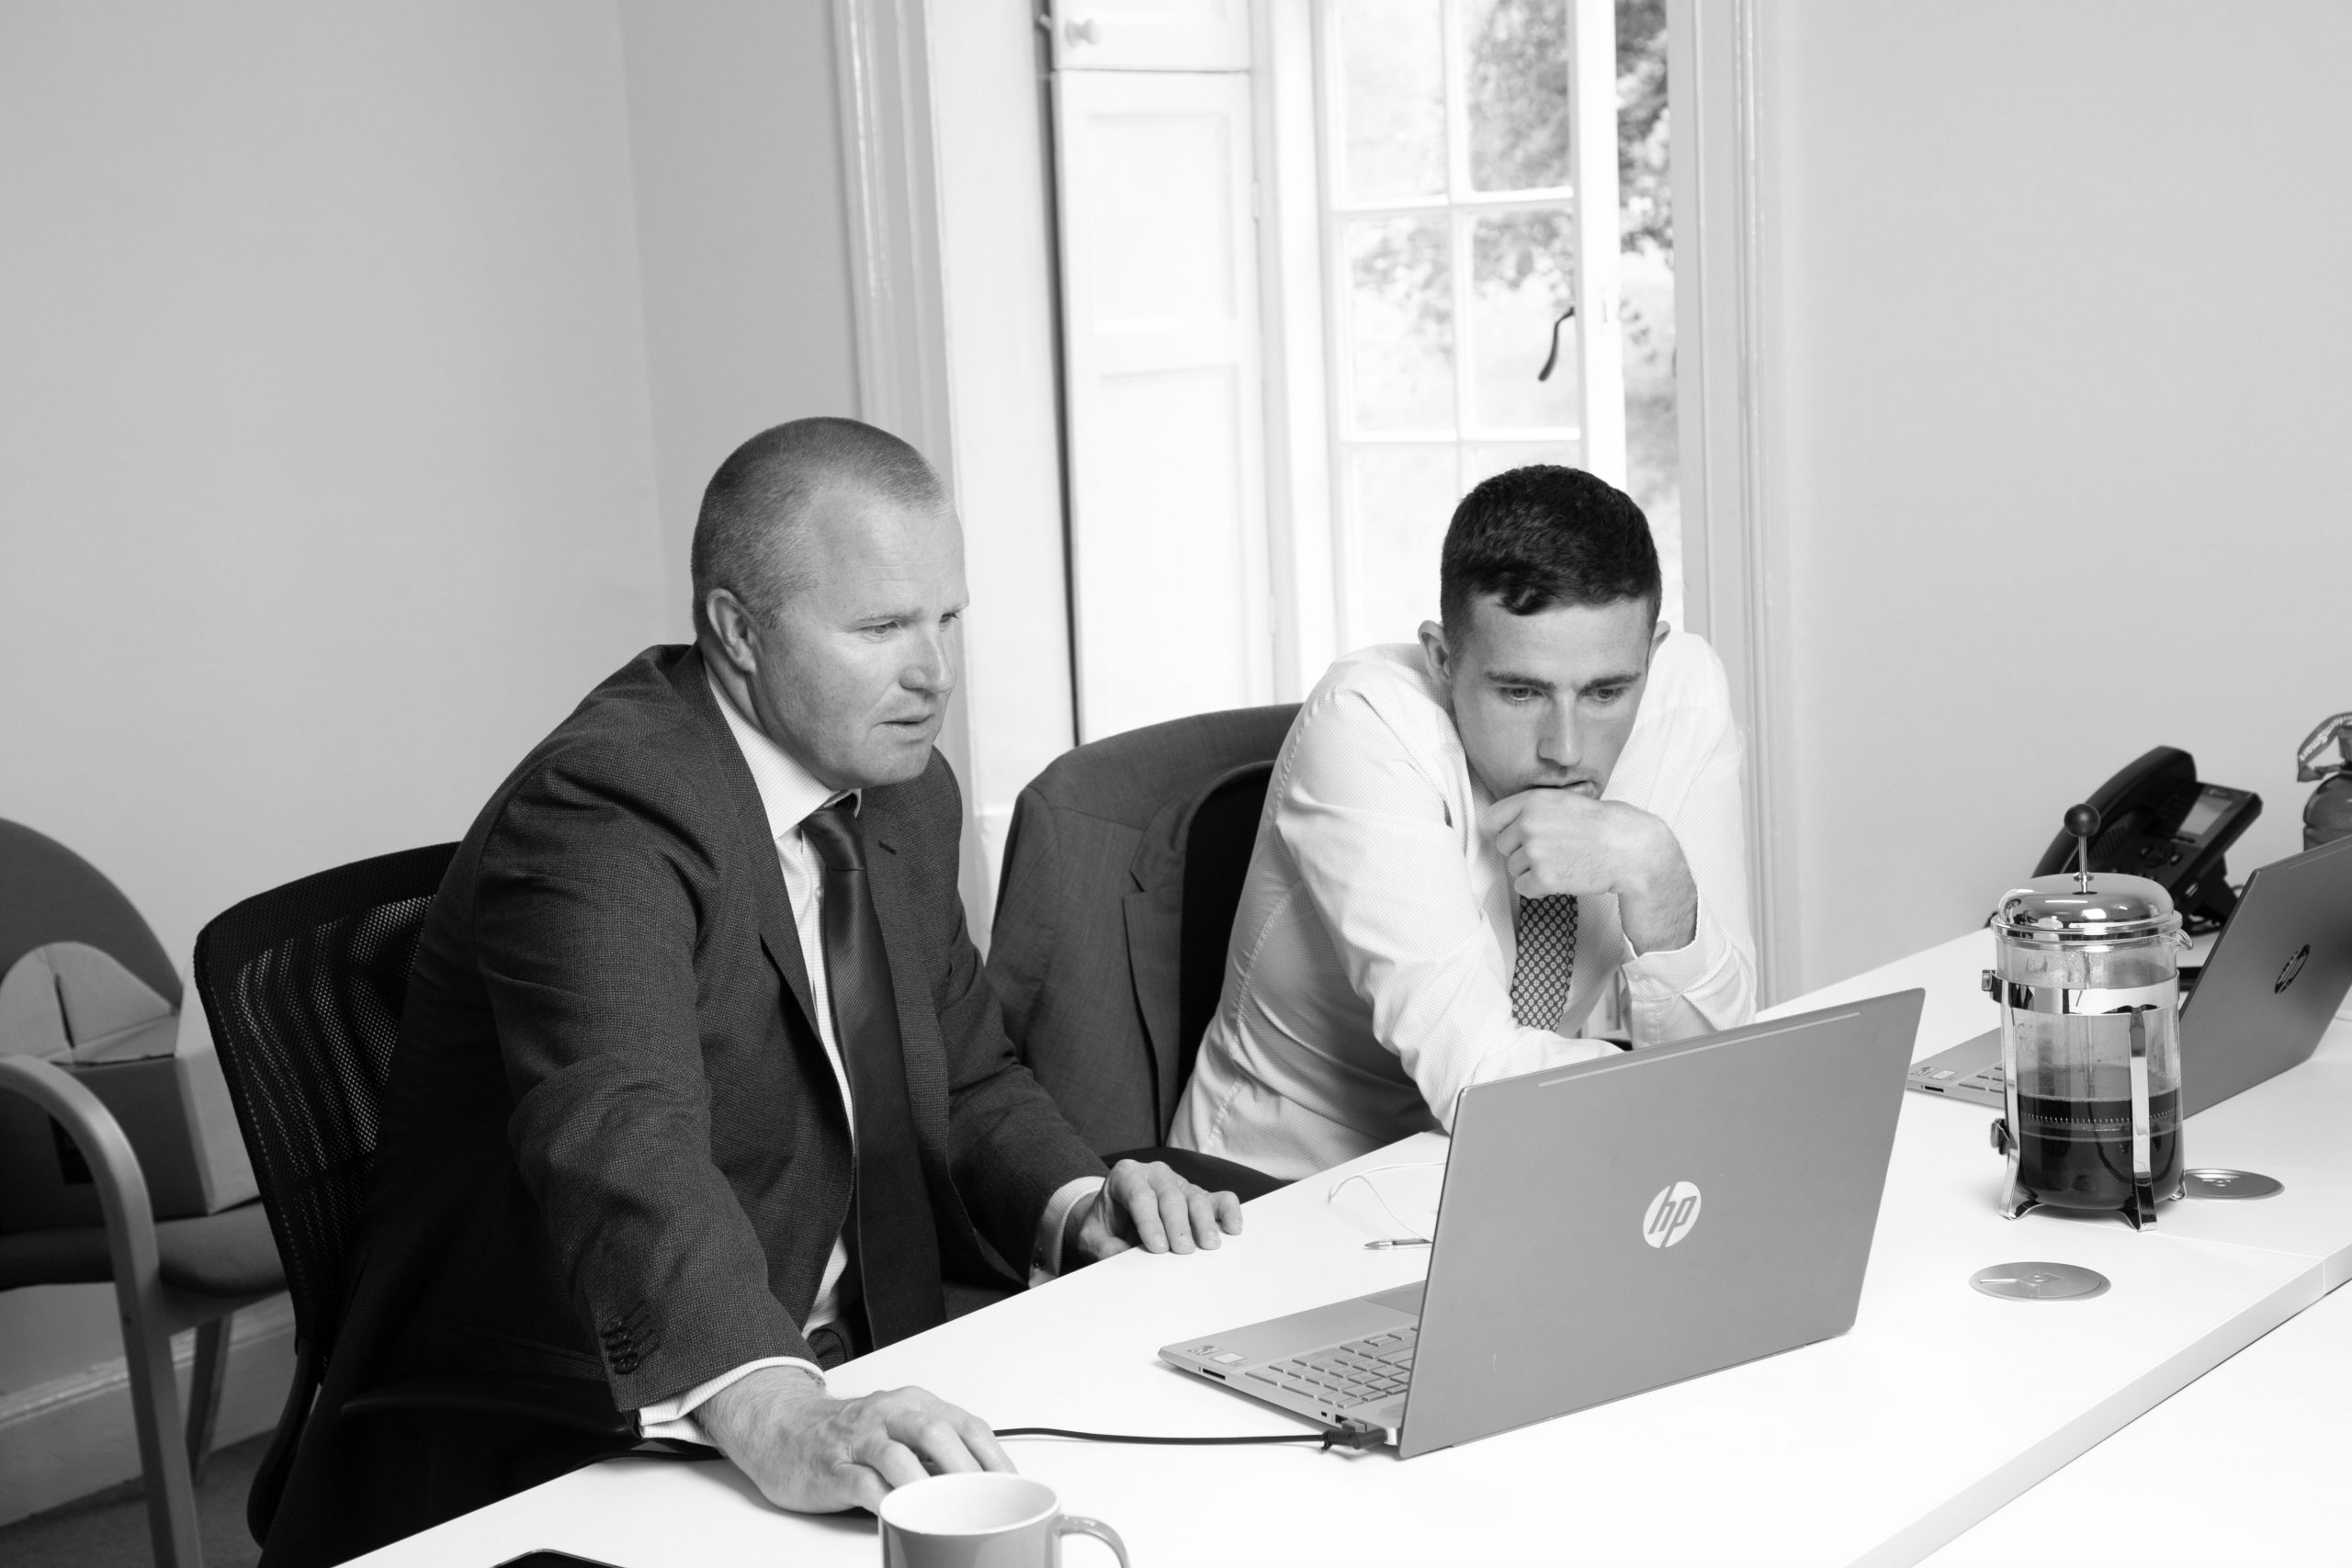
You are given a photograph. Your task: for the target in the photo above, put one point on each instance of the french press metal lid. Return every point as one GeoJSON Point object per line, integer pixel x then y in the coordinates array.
{"type": "Point", "coordinates": [2085, 907]}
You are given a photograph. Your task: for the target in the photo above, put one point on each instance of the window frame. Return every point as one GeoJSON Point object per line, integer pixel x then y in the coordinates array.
{"type": "Point", "coordinates": [1311, 410]}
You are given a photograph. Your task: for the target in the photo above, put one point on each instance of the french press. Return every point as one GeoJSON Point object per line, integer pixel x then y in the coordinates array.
{"type": "Point", "coordinates": [2087, 972]}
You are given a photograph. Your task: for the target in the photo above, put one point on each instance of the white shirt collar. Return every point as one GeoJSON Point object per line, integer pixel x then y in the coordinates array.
{"type": "Point", "coordinates": [787, 792]}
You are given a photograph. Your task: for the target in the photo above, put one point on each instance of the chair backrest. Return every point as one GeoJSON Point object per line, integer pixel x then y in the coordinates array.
{"type": "Point", "coordinates": [1217, 842]}
{"type": "Point", "coordinates": [303, 986]}
{"type": "Point", "coordinates": [50, 894]}
{"type": "Point", "coordinates": [1098, 921]}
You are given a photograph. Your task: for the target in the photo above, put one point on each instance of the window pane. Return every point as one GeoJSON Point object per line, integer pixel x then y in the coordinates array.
{"type": "Point", "coordinates": [1483, 460]}
{"type": "Point", "coordinates": [1391, 58]}
{"type": "Point", "coordinates": [1400, 501]}
{"type": "Point", "coordinates": [1521, 280]}
{"type": "Point", "coordinates": [1400, 325]}
{"type": "Point", "coordinates": [1517, 95]}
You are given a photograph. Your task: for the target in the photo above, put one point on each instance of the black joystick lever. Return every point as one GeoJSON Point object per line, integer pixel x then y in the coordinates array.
{"type": "Point", "coordinates": [2083, 823]}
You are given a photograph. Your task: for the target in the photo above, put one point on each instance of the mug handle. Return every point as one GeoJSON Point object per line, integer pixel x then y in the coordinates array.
{"type": "Point", "coordinates": [1078, 1524]}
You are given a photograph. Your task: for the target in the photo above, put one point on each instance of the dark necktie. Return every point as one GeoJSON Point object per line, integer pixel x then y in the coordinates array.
{"type": "Point", "coordinates": [897, 1250]}
{"type": "Point", "coordinates": [1547, 959]}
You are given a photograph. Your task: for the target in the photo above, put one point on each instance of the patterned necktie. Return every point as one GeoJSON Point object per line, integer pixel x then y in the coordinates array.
{"type": "Point", "coordinates": [1547, 959]}
{"type": "Point", "coordinates": [897, 1245]}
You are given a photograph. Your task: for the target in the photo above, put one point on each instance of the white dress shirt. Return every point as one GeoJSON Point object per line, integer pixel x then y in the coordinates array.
{"type": "Point", "coordinates": [790, 795]}
{"type": "Point", "coordinates": [1368, 979]}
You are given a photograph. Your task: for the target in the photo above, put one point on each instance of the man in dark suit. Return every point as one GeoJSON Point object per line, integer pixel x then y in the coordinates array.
{"type": "Point", "coordinates": [700, 1087]}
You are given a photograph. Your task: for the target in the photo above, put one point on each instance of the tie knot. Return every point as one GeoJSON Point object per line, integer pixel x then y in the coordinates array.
{"type": "Point", "coordinates": [831, 832]}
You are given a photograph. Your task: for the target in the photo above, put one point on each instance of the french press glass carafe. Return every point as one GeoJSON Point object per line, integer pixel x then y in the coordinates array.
{"type": "Point", "coordinates": [2086, 973]}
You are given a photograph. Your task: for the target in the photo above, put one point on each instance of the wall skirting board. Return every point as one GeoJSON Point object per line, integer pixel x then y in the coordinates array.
{"type": "Point", "coordinates": [72, 1436]}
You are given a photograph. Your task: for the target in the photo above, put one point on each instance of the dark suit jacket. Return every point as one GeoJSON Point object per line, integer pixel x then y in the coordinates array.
{"type": "Point", "coordinates": [1090, 916]}
{"type": "Point", "coordinates": [613, 1148]}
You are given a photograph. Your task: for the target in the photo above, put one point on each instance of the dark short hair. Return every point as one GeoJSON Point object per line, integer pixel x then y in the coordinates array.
{"type": "Point", "coordinates": [1543, 536]}
{"type": "Point", "coordinates": [757, 495]}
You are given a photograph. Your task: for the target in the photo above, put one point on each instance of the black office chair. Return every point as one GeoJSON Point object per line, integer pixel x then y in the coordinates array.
{"type": "Point", "coordinates": [303, 986]}
{"type": "Point", "coordinates": [168, 1275]}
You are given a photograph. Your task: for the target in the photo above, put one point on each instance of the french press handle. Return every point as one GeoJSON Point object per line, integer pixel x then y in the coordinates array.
{"type": "Point", "coordinates": [2143, 1210]}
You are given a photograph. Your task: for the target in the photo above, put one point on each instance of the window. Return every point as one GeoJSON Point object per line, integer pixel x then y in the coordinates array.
{"type": "Point", "coordinates": [1498, 271]}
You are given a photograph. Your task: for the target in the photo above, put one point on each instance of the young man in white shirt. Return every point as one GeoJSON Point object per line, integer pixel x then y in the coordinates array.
{"type": "Point", "coordinates": [1467, 841]}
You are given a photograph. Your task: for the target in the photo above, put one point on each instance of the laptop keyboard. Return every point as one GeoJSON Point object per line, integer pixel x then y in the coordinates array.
{"type": "Point", "coordinates": [1355, 1373]}
{"type": "Point", "coordinates": [1995, 1077]}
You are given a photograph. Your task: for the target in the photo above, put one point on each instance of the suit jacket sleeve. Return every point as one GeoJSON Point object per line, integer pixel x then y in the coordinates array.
{"type": "Point", "coordinates": [586, 922]}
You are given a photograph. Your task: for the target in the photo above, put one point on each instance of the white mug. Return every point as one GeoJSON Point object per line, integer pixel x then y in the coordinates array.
{"type": "Point", "coordinates": [982, 1519]}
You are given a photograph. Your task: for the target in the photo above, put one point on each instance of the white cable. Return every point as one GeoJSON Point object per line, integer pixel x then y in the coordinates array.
{"type": "Point", "coordinates": [1411, 1232]}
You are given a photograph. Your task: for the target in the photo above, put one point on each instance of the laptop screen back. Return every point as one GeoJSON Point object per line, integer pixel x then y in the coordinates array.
{"type": "Point", "coordinates": [1623, 1223]}
{"type": "Point", "coordinates": [2273, 981]}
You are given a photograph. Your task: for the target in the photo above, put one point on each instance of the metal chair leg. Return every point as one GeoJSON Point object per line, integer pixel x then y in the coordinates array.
{"type": "Point", "coordinates": [212, 1372]}
{"type": "Point", "coordinates": [139, 1298]}
{"type": "Point", "coordinates": [155, 1406]}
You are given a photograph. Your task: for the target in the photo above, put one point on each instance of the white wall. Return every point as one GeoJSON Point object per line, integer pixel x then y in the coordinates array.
{"type": "Point", "coordinates": [324, 419]}
{"type": "Point", "coordinates": [2057, 441]}
{"type": "Point", "coordinates": [742, 237]}
{"type": "Point", "coordinates": [360, 371]}
{"type": "Point", "coordinates": [325, 466]}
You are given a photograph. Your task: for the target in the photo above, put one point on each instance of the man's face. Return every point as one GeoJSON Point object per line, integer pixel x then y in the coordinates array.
{"type": "Point", "coordinates": [1546, 700]}
{"type": "Point", "coordinates": [853, 673]}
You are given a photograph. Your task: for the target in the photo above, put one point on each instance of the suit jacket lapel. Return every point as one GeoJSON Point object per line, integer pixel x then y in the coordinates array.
{"type": "Point", "coordinates": [781, 937]}
{"type": "Point", "coordinates": [778, 932]}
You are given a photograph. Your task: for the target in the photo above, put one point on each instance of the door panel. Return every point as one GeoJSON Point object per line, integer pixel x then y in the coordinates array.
{"type": "Point", "coordinates": [1167, 529]}
{"type": "Point", "coordinates": [1151, 35]}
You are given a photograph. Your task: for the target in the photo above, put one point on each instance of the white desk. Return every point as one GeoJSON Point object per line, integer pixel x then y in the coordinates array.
{"type": "Point", "coordinates": [2248, 1464]}
{"type": "Point", "coordinates": [1877, 1447]}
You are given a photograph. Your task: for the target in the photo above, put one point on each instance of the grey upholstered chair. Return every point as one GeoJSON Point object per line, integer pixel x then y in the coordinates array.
{"type": "Point", "coordinates": [1121, 871]}
{"type": "Point", "coordinates": [168, 1275]}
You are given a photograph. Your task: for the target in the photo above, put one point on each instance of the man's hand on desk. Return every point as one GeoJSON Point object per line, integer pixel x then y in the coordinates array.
{"type": "Point", "coordinates": [1152, 1207]}
{"type": "Point", "coordinates": [1563, 840]}
{"type": "Point", "coordinates": [815, 1454]}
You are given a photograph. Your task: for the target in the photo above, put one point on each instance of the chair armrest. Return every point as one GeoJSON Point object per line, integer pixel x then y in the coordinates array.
{"type": "Point", "coordinates": [139, 1293]}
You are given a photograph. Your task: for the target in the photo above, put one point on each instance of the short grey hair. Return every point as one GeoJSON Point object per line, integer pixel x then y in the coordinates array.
{"type": "Point", "coordinates": [755, 499]}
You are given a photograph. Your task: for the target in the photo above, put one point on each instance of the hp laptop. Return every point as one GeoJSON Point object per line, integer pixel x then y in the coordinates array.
{"type": "Point", "coordinates": [2275, 976]}
{"type": "Point", "coordinates": [1610, 1228]}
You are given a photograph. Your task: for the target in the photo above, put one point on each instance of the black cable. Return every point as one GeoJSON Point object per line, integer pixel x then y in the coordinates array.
{"type": "Point", "coordinates": [1329, 1437]}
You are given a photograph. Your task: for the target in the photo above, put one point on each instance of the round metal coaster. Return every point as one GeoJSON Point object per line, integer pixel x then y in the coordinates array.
{"type": "Point", "coordinates": [2215, 1182]}
{"type": "Point", "coordinates": [2040, 1281]}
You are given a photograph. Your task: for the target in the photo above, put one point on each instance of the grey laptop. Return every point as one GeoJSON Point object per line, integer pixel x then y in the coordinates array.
{"type": "Point", "coordinates": [2275, 976]}
{"type": "Point", "coordinates": [1611, 1227]}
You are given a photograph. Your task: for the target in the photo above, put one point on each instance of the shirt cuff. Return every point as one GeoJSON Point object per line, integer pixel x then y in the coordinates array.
{"type": "Point", "coordinates": [1665, 975]}
{"type": "Point", "coordinates": [1045, 1260]}
{"type": "Point", "coordinates": [673, 1417]}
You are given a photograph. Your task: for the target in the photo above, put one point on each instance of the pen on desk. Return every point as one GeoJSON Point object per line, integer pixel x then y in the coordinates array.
{"type": "Point", "coordinates": [1384, 1243]}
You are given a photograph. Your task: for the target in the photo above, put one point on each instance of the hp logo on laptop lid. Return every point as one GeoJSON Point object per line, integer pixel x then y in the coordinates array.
{"type": "Point", "coordinates": [2294, 967]}
{"type": "Point", "coordinates": [1671, 1214]}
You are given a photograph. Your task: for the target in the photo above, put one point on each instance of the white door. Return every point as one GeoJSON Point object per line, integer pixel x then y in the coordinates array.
{"type": "Point", "coordinates": [1159, 305]}
{"type": "Point", "coordinates": [1151, 35]}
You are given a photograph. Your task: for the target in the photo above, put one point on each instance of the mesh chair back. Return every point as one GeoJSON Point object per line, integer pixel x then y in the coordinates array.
{"type": "Point", "coordinates": [303, 986]}
{"type": "Point", "coordinates": [1217, 842]}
